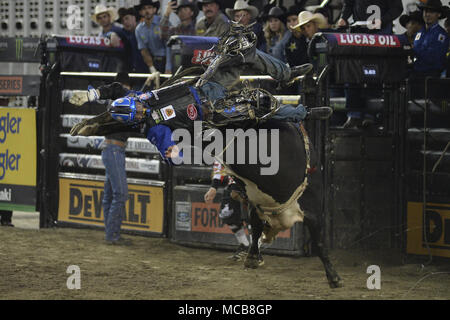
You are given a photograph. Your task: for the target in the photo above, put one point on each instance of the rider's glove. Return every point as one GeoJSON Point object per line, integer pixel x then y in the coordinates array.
{"type": "Point", "coordinates": [93, 94]}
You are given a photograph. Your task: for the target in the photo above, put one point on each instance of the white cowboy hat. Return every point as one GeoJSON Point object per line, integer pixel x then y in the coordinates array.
{"type": "Point", "coordinates": [305, 16]}
{"type": "Point", "coordinates": [242, 5]}
{"type": "Point", "coordinates": [100, 8]}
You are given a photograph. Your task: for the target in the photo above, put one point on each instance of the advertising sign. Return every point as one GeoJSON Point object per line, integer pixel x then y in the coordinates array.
{"type": "Point", "coordinates": [430, 230]}
{"type": "Point", "coordinates": [17, 159]}
{"type": "Point", "coordinates": [80, 202]}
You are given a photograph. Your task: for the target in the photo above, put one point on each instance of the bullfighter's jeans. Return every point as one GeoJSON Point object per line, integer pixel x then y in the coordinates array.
{"type": "Point", "coordinates": [116, 190]}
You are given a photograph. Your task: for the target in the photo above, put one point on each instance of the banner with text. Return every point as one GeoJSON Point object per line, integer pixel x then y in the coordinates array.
{"type": "Point", "coordinates": [17, 159]}
{"type": "Point", "coordinates": [430, 230]}
{"type": "Point", "coordinates": [80, 202]}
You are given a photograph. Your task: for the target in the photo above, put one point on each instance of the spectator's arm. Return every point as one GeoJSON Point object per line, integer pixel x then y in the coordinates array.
{"type": "Point", "coordinates": [115, 40]}
{"type": "Point", "coordinates": [165, 27]}
{"type": "Point", "coordinates": [168, 60]}
{"type": "Point", "coordinates": [148, 59]}
{"type": "Point", "coordinates": [395, 10]}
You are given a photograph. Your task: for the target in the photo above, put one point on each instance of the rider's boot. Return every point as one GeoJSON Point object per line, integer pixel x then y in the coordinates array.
{"type": "Point", "coordinates": [301, 70]}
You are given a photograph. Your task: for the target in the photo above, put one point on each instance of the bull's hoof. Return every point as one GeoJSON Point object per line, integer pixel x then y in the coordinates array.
{"type": "Point", "coordinates": [251, 261]}
{"type": "Point", "coordinates": [335, 282]}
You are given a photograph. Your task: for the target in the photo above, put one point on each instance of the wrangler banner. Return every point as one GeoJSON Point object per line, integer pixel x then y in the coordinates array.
{"type": "Point", "coordinates": [17, 159]}
{"type": "Point", "coordinates": [80, 202]}
{"type": "Point", "coordinates": [430, 230]}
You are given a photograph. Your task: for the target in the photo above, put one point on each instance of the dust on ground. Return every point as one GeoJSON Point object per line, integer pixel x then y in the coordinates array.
{"type": "Point", "coordinates": [34, 265]}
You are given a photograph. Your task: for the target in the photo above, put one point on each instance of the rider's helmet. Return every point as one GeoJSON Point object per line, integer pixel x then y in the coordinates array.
{"type": "Point", "coordinates": [128, 110]}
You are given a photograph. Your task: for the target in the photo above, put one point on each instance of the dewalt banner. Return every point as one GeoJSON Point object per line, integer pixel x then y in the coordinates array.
{"type": "Point", "coordinates": [432, 228]}
{"type": "Point", "coordinates": [80, 202]}
{"type": "Point", "coordinates": [18, 159]}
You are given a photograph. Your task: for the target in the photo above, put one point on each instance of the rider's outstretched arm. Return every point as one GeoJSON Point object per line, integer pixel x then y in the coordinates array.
{"type": "Point", "coordinates": [161, 136]}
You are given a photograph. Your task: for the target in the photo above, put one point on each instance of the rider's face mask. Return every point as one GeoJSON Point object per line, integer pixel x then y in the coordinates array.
{"type": "Point", "coordinates": [128, 110]}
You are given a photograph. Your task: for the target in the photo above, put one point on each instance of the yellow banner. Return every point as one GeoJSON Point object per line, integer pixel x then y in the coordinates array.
{"type": "Point", "coordinates": [433, 229]}
{"type": "Point", "coordinates": [80, 201]}
{"type": "Point", "coordinates": [18, 146]}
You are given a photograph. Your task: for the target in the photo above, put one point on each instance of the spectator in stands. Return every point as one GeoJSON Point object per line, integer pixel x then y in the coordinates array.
{"type": "Point", "coordinates": [412, 22]}
{"type": "Point", "coordinates": [310, 23]}
{"type": "Point", "coordinates": [128, 17]}
{"type": "Point", "coordinates": [327, 14]}
{"type": "Point", "coordinates": [148, 35]}
{"type": "Point", "coordinates": [214, 23]}
{"type": "Point", "coordinates": [296, 48]}
{"type": "Point", "coordinates": [105, 17]}
{"type": "Point", "coordinates": [187, 11]}
{"type": "Point", "coordinates": [431, 43]}
{"type": "Point", "coordinates": [246, 14]}
{"type": "Point", "coordinates": [361, 11]}
{"type": "Point", "coordinates": [276, 34]}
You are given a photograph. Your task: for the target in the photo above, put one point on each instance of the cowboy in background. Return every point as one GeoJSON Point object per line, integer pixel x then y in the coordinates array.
{"type": "Point", "coordinates": [432, 42]}
{"type": "Point", "coordinates": [246, 14]}
{"type": "Point", "coordinates": [128, 18]}
{"type": "Point", "coordinates": [148, 35]}
{"type": "Point", "coordinates": [214, 23]}
{"type": "Point", "coordinates": [187, 11]}
{"type": "Point", "coordinates": [412, 22]}
{"type": "Point", "coordinates": [105, 17]}
{"type": "Point", "coordinates": [296, 48]}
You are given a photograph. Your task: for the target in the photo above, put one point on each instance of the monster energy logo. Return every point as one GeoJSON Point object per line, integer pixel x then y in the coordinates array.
{"type": "Point", "coordinates": [19, 49]}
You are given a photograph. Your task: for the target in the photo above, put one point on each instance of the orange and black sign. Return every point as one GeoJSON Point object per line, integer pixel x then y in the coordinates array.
{"type": "Point", "coordinates": [11, 85]}
{"type": "Point", "coordinates": [205, 218]}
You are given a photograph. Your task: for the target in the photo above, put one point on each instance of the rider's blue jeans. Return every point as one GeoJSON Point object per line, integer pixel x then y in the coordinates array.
{"type": "Point", "coordinates": [116, 190]}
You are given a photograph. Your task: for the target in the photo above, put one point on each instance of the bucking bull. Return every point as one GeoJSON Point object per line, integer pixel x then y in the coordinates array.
{"type": "Point", "coordinates": [277, 201]}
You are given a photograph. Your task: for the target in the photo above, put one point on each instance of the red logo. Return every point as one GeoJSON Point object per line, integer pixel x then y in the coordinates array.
{"type": "Point", "coordinates": [202, 56]}
{"type": "Point", "coordinates": [192, 112]}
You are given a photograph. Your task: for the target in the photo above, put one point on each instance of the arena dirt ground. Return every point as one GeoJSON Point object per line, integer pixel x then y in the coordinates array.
{"type": "Point", "coordinates": [34, 264]}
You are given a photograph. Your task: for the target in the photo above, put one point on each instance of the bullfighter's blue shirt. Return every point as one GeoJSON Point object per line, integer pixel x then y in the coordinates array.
{"type": "Point", "coordinates": [430, 48]}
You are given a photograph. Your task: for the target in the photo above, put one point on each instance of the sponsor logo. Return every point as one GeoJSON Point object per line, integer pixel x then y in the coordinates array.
{"type": "Point", "coordinates": [192, 112]}
{"type": "Point", "coordinates": [81, 202]}
{"type": "Point", "coordinates": [11, 85]}
{"type": "Point", "coordinates": [19, 49]}
{"type": "Point", "coordinates": [202, 56]}
{"type": "Point", "coordinates": [183, 216]}
{"type": "Point", "coordinates": [429, 230]}
{"type": "Point", "coordinates": [5, 195]}
{"type": "Point", "coordinates": [168, 112]}
{"type": "Point", "coordinates": [3, 45]}
{"type": "Point", "coordinates": [368, 40]}
{"type": "Point", "coordinates": [90, 41]}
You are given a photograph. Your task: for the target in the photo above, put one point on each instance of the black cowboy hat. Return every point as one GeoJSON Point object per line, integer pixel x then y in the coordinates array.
{"type": "Point", "coordinates": [413, 16]}
{"type": "Point", "coordinates": [154, 3]}
{"type": "Point", "coordinates": [293, 10]}
{"type": "Point", "coordinates": [188, 3]}
{"type": "Point", "coordinates": [276, 12]}
{"type": "Point", "coordinates": [200, 3]}
{"type": "Point", "coordinates": [435, 5]}
{"type": "Point", "coordinates": [125, 12]}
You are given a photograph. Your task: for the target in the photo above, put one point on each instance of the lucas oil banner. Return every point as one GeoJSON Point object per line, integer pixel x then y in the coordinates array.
{"type": "Point", "coordinates": [429, 230]}
{"type": "Point", "coordinates": [80, 202]}
{"type": "Point", "coordinates": [17, 159]}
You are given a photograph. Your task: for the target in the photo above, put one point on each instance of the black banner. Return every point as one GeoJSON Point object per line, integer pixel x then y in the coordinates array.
{"type": "Point", "coordinates": [19, 50]}
{"type": "Point", "coordinates": [17, 195]}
